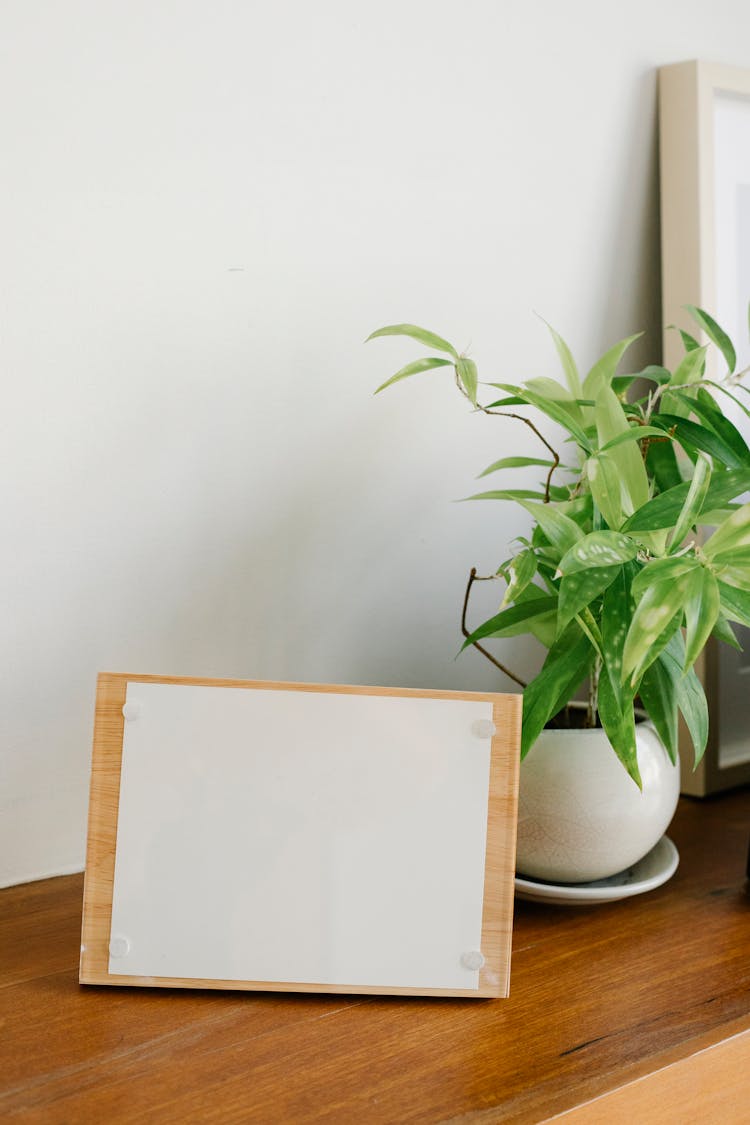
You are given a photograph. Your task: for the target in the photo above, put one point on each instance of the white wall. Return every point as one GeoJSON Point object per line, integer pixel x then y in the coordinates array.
{"type": "Point", "coordinates": [205, 209]}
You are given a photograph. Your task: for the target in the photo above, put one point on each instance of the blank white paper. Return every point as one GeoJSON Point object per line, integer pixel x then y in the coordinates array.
{"type": "Point", "coordinates": [299, 836]}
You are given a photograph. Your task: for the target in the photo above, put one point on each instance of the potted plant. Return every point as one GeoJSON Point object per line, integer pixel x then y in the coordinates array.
{"type": "Point", "coordinates": [639, 551]}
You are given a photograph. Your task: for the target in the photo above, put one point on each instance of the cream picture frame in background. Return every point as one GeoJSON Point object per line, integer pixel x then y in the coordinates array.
{"type": "Point", "coordinates": [300, 837]}
{"type": "Point", "coordinates": [704, 118]}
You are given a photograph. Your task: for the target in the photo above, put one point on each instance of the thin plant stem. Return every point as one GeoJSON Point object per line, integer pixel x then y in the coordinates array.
{"type": "Point", "coordinates": [593, 703]}
{"type": "Point", "coordinates": [526, 422]}
{"type": "Point", "coordinates": [473, 577]}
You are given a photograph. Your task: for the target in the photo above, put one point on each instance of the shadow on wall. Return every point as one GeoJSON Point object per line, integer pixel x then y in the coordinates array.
{"type": "Point", "coordinates": [228, 592]}
{"type": "Point", "coordinates": [635, 265]}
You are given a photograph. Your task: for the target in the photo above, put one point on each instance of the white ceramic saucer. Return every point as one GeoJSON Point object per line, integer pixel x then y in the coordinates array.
{"type": "Point", "coordinates": [650, 872]}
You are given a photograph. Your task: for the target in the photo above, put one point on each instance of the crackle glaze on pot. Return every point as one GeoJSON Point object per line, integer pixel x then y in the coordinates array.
{"type": "Point", "coordinates": [580, 816]}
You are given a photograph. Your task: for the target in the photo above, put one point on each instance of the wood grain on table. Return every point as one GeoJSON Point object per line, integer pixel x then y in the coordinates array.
{"type": "Point", "coordinates": [600, 997]}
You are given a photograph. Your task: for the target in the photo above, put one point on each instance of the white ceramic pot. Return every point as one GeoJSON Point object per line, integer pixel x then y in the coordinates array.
{"type": "Point", "coordinates": [580, 816]}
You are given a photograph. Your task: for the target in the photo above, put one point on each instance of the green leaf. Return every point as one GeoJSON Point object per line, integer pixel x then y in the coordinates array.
{"type": "Point", "coordinates": [507, 622]}
{"type": "Point", "coordinates": [723, 390]}
{"type": "Point", "coordinates": [515, 463]}
{"type": "Point", "coordinates": [736, 557]}
{"type": "Point", "coordinates": [694, 501]}
{"type": "Point", "coordinates": [659, 645]}
{"type": "Point", "coordinates": [560, 530]}
{"type": "Point", "coordinates": [522, 569]}
{"type": "Point", "coordinates": [736, 577]}
{"type": "Point", "coordinates": [626, 458]}
{"type": "Point", "coordinates": [664, 510]}
{"type": "Point", "coordinates": [724, 632]}
{"type": "Point", "coordinates": [580, 508]}
{"type": "Point", "coordinates": [620, 384]}
{"type": "Point", "coordinates": [660, 512]}
{"type": "Point", "coordinates": [658, 695]}
{"type": "Point", "coordinates": [690, 368]}
{"type": "Point", "coordinates": [735, 603]}
{"type": "Point", "coordinates": [467, 373]}
{"type": "Point", "coordinates": [691, 698]}
{"type": "Point", "coordinates": [414, 369]}
{"type": "Point", "coordinates": [657, 616]}
{"type": "Point", "coordinates": [580, 589]}
{"type": "Point", "coordinates": [510, 400]}
{"type": "Point", "coordinates": [663, 570]}
{"type": "Point", "coordinates": [693, 436]}
{"type": "Point", "coordinates": [655, 373]}
{"type": "Point", "coordinates": [616, 616]}
{"type": "Point", "coordinates": [716, 335]}
{"type": "Point", "coordinates": [618, 721]}
{"type": "Point", "coordinates": [544, 628]}
{"type": "Point", "coordinates": [567, 665]}
{"type": "Point", "coordinates": [604, 482]}
{"type": "Point", "coordinates": [597, 549]}
{"type": "Point", "coordinates": [734, 533]}
{"type": "Point", "coordinates": [689, 342]}
{"type": "Point", "coordinates": [701, 613]}
{"type": "Point", "coordinates": [707, 410]}
{"type": "Point", "coordinates": [633, 433]}
{"type": "Point", "coordinates": [514, 494]}
{"type": "Point", "coordinates": [431, 339]}
{"type": "Point", "coordinates": [615, 701]}
{"type": "Point", "coordinates": [602, 373]}
{"type": "Point", "coordinates": [661, 463]}
{"type": "Point", "coordinates": [549, 389]}
{"type": "Point", "coordinates": [552, 408]}
{"type": "Point", "coordinates": [572, 377]}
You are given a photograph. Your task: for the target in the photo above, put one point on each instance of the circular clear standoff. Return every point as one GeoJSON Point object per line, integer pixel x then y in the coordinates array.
{"type": "Point", "coordinates": [119, 947]}
{"type": "Point", "coordinates": [472, 960]}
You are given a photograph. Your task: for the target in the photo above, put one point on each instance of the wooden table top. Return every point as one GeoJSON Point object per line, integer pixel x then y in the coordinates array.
{"type": "Point", "coordinates": [599, 997]}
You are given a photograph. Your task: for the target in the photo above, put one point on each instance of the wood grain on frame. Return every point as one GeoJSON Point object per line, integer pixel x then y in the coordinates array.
{"type": "Point", "coordinates": [687, 92]}
{"type": "Point", "coordinates": [497, 915]}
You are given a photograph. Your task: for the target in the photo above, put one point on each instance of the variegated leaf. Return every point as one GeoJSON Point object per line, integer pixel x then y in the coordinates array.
{"type": "Point", "coordinates": [580, 589]}
{"type": "Point", "coordinates": [618, 720]}
{"type": "Point", "coordinates": [606, 489]}
{"type": "Point", "coordinates": [694, 501]}
{"type": "Point", "coordinates": [521, 570]}
{"type": "Point", "coordinates": [702, 607]}
{"type": "Point", "coordinates": [691, 698]}
{"type": "Point", "coordinates": [663, 570]}
{"type": "Point", "coordinates": [733, 533]}
{"type": "Point", "coordinates": [599, 548]}
{"type": "Point", "coordinates": [657, 615]}
{"type": "Point", "coordinates": [658, 695]}
{"type": "Point", "coordinates": [626, 457]}
{"type": "Point", "coordinates": [566, 667]}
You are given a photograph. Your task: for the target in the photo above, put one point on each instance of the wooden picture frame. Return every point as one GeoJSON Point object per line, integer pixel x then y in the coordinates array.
{"type": "Point", "coordinates": [498, 738]}
{"type": "Point", "coordinates": [699, 102]}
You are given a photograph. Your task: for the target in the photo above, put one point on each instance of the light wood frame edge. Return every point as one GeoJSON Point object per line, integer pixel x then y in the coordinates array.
{"type": "Point", "coordinates": [497, 916]}
{"type": "Point", "coordinates": [688, 256]}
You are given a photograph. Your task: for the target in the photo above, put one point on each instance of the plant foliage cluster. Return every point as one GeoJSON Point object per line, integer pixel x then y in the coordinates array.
{"type": "Point", "coordinates": [640, 544]}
